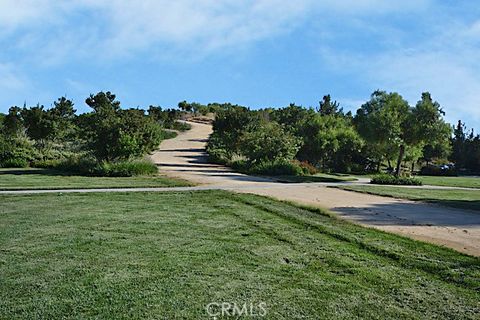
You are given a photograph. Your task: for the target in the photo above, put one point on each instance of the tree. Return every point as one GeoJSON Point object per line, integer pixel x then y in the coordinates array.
{"type": "Point", "coordinates": [472, 148]}
{"type": "Point", "coordinates": [63, 116]}
{"type": "Point", "coordinates": [327, 107]}
{"type": "Point", "coordinates": [12, 122]}
{"type": "Point", "coordinates": [293, 117]}
{"type": "Point", "coordinates": [38, 123]}
{"type": "Point", "coordinates": [439, 150]}
{"type": "Point", "coordinates": [268, 142]}
{"type": "Point", "coordinates": [329, 141]}
{"type": "Point", "coordinates": [458, 145]}
{"type": "Point", "coordinates": [382, 121]}
{"type": "Point", "coordinates": [185, 106]}
{"type": "Point", "coordinates": [114, 134]}
{"type": "Point", "coordinates": [388, 120]}
{"type": "Point", "coordinates": [229, 126]}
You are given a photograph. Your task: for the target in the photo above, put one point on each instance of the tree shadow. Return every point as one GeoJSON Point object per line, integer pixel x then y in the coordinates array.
{"type": "Point", "coordinates": [410, 214]}
{"type": "Point", "coordinates": [45, 172]}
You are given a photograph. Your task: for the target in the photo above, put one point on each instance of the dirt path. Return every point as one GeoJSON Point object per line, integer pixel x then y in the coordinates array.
{"type": "Point", "coordinates": [184, 157]}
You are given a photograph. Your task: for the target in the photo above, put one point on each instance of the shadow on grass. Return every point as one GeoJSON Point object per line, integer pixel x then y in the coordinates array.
{"type": "Point", "coordinates": [43, 172]}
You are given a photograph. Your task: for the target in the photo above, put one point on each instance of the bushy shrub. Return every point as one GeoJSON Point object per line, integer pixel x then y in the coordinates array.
{"type": "Point", "coordinates": [438, 171]}
{"type": "Point", "coordinates": [276, 168]}
{"type": "Point", "coordinates": [218, 156]}
{"type": "Point", "coordinates": [167, 134]}
{"type": "Point", "coordinates": [181, 126]}
{"type": "Point", "coordinates": [269, 142]}
{"type": "Point", "coordinates": [394, 180]}
{"type": "Point", "coordinates": [217, 151]}
{"type": "Point", "coordinates": [73, 165]}
{"type": "Point", "coordinates": [240, 166]}
{"type": "Point", "coordinates": [46, 164]}
{"type": "Point", "coordinates": [90, 167]}
{"type": "Point", "coordinates": [125, 169]}
{"type": "Point", "coordinates": [115, 134]}
{"type": "Point", "coordinates": [307, 167]}
{"type": "Point", "coordinates": [14, 163]}
{"type": "Point", "coordinates": [15, 152]}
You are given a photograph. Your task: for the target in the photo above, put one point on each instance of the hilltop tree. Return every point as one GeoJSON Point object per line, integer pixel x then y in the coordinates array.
{"type": "Point", "coordinates": [327, 107]}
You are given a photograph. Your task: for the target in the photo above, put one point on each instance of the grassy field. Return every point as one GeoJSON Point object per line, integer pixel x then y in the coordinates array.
{"type": "Point", "coordinates": [168, 255]}
{"type": "Point", "coordinates": [464, 182]}
{"type": "Point", "coordinates": [15, 179]}
{"type": "Point", "coordinates": [464, 199]}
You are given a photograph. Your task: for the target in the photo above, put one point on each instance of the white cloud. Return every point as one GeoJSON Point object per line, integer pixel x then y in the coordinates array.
{"type": "Point", "coordinates": [109, 28]}
{"type": "Point", "coordinates": [446, 65]}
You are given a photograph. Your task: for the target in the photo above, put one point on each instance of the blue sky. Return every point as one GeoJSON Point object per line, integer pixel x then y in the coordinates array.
{"type": "Point", "coordinates": [255, 53]}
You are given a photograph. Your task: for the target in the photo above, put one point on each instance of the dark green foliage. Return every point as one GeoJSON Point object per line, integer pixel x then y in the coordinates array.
{"type": "Point", "coordinates": [459, 145]}
{"type": "Point", "coordinates": [38, 123]}
{"type": "Point", "coordinates": [167, 118]}
{"type": "Point", "coordinates": [180, 126]}
{"type": "Point", "coordinates": [389, 124]}
{"type": "Point", "coordinates": [268, 142]}
{"type": "Point", "coordinates": [329, 142]}
{"type": "Point", "coordinates": [327, 107]}
{"type": "Point", "coordinates": [465, 149]}
{"type": "Point", "coordinates": [125, 169]}
{"type": "Point", "coordinates": [107, 135]}
{"type": "Point", "coordinates": [113, 134]}
{"type": "Point", "coordinates": [276, 168]}
{"type": "Point", "coordinates": [431, 170]}
{"type": "Point", "coordinates": [12, 122]}
{"type": "Point", "coordinates": [437, 151]}
{"type": "Point", "coordinates": [395, 180]}
{"type": "Point", "coordinates": [90, 167]}
{"type": "Point", "coordinates": [326, 140]}
{"type": "Point", "coordinates": [229, 126]}
{"type": "Point", "coordinates": [15, 152]}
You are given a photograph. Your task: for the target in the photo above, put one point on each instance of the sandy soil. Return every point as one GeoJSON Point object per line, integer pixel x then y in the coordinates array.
{"type": "Point", "coordinates": [185, 157]}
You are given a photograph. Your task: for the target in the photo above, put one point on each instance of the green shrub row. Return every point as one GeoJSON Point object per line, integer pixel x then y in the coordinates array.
{"type": "Point", "coordinates": [277, 168]}
{"type": "Point", "coordinates": [269, 168]}
{"type": "Point", "coordinates": [394, 180]}
{"type": "Point", "coordinates": [89, 167]}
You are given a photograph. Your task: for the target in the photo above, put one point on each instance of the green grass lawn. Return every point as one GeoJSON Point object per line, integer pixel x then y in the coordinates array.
{"type": "Point", "coordinates": [168, 255]}
{"type": "Point", "coordinates": [319, 177]}
{"type": "Point", "coordinates": [464, 199]}
{"type": "Point", "coordinates": [464, 182]}
{"type": "Point", "coordinates": [15, 179]}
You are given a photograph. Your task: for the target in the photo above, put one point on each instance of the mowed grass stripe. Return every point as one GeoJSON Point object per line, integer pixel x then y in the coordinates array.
{"type": "Point", "coordinates": [150, 255]}
{"type": "Point", "coordinates": [407, 252]}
